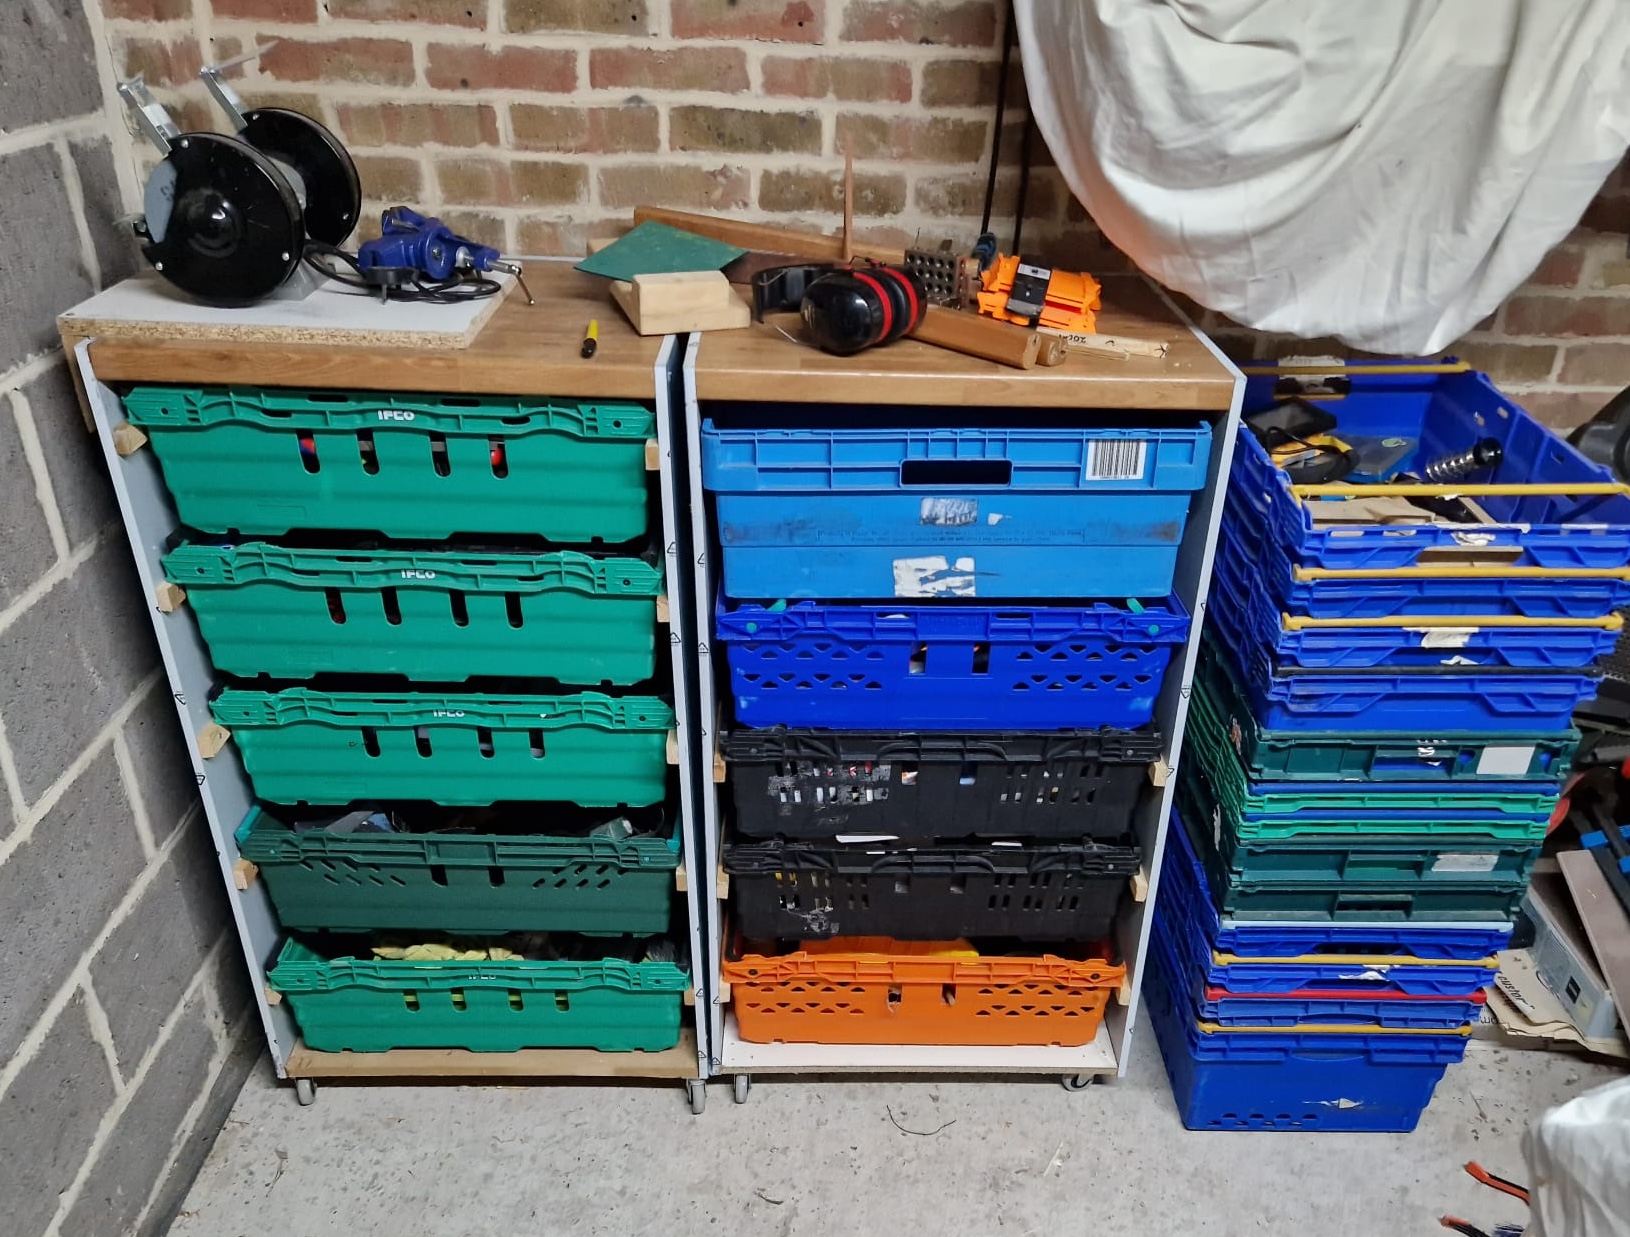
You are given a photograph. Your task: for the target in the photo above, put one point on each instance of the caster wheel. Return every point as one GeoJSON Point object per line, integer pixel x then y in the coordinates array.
{"type": "Point", "coordinates": [305, 1091]}
{"type": "Point", "coordinates": [739, 1087]}
{"type": "Point", "coordinates": [696, 1095]}
{"type": "Point", "coordinates": [1078, 1082]}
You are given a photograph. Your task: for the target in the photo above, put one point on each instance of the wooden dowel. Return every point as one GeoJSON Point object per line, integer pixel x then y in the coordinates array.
{"type": "Point", "coordinates": [1001, 342]}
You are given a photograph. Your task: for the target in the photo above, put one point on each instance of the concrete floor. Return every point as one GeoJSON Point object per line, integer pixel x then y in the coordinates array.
{"type": "Point", "coordinates": [827, 1157]}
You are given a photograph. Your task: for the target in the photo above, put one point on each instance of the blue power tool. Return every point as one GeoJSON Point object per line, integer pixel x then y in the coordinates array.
{"type": "Point", "coordinates": [413, 250]}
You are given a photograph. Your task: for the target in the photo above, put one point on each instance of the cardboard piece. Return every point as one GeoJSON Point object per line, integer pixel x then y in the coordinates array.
{"type": "Point", "coordinates": [1525, 1013]}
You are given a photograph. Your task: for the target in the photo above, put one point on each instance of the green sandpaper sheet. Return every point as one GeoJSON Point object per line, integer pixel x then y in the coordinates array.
{"type": "Point", "coordinates": [655, 248]}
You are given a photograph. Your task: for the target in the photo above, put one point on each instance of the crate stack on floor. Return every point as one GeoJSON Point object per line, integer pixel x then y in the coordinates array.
{"type": "Point", "coordinates": [944, 646]}
{"type": "Point", "coordinates": [465, 816]}
{"type": "Point", "coordinates": [1378, 729]}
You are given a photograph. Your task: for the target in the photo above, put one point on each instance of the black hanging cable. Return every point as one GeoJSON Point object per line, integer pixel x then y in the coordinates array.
{"type": "Point", "coordinates": [1008, 40]}
{"type": "Point", "coordinates": [1024, 179]}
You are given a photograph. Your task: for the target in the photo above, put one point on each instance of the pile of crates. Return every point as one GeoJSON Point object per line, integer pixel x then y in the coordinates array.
{"type": "Point", "coordinates": [937, 747]}
{"type": "Point", "coordinates": [395, 629]}
{"type": "Point", "coordinates": [1378, 730]}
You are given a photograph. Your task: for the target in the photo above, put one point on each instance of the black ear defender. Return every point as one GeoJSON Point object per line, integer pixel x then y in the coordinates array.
{"type": "Point", "coordinates": [845, 310]}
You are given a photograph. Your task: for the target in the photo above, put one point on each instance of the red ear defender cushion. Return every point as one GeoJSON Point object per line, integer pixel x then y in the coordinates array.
{"type": "Point", "coordinates": [886, 298]}
{"type": "Point", "coordinates": [909, 298]}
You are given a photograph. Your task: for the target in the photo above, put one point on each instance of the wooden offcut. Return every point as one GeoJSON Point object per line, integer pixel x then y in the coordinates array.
{"type": "Point", "coordinates": [169, 597]}
{"type": "Point", "coordinates": [678, 304]}
{"type": "Point", "coordinates": [974, 336]}
{"type": "Point", "coordinates": [127, 439]}
{"type": "Point", "coordinates": [211, 739]}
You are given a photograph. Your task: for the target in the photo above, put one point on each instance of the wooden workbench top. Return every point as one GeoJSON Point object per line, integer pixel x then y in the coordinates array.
{"type": "Point", "coordinates": [523, 350]}
{"type": "Point", "coordinates": [761, 364]}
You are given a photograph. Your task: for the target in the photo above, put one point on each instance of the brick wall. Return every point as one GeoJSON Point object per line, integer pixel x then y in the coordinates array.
{"type": "Point", "coordinates": [122, 1003]}
{"type": "Point", "coordinates": [537, 124]}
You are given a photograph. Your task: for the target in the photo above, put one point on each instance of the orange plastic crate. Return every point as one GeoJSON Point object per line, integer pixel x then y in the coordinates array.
{"type": "Point", "coordinates": [877, 991]}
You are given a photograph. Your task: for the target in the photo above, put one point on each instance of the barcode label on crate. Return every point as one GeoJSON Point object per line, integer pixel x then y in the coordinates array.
{"type": "Point", "coordinates": [1505, 761]}
{"type": "Point", "coordinates": [1116, 459]}
{"type": "Point", "coordinates": [1465, 862]}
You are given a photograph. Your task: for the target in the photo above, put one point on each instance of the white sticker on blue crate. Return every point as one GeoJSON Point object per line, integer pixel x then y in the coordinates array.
{"type": "Point", "coordinates": [1466, 862]}
{"type": "Point", "coordinates": [1510, 761]}
{"type": "Point", "coordinates": [933, 576]}
{"type": "Point", "coordinates": [949, 512]}
{"type": "Point", "coordinates": [1116, 459]}
{"type": "Point", "coordinates": [1444, 637]}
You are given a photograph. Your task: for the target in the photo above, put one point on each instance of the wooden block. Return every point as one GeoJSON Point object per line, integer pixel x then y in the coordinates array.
{"type": "Point", "coordinates": [169, 597]}
{"type": "Point", "coordinates": [653, 455]}
{"type": "Point", "coordinates": [662, 607]}
{"type": "Point", "coordinates": [724, 994]}
{"type": "Point", "coordinates": [1140, 885]}
{"type": "Point", "coordinates": [690, 997]}
{"type": "Point", "coordinates": [734, 314]}
{"type": "Point", "coordinates": [681, 881]}
{"type": "Point", "coordinates": [1123, 994]}
{"type": "Point", "coordinates": [680, 292]}
{"type": "Point", "coordinates": [673, 747]}
{"type": "Point", "coordinates": [273, 996]}
{"type": "Point", "coordinates": [211, 739]}
{"type": "Point", "coordinates": [243, 874]}
{"type": "Point", "coordinates": [127, 439]}
{"type": "Point", "coordinates": [1159, 773]}
{"type": "Point", "coordinates": [723, 880]}
{"type": "Point", "coordinates": [718, 766]}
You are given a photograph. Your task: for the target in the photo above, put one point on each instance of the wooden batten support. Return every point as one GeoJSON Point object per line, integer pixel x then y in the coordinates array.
{"type": "Point", "coordinates": [169, 597]}
{"type": "Point", "coordinates": [127, 439]}
{"type": "Point", "coordinates": [653, 455]}
{"type": "Point", "coordinates": [243, 874]}
{"type": "Point", "coordinates": [672, 747]}
{"type": "Point", "coordinates": [273, 996]}
{"type": "Point", "coordinates": [1140, 885]}
{"type": "Point", "coordinates": [681, 881]}
{"type": "Point", "coordinates": [722, 880]}
{"type": "Point", "coordinates": [211, 739]}
{"type": "Point", "coordinates": [662, 608]}
{"type": "Point", "coordinates": [724, 994]}
{"type": "Point", "coordinates": [718, 766]}
{"type": "Point", "coordinates": [1159, 773]}
{"type": "Point", "coordinates": [690, 997]}
{"type": "Point", "coordinates": [1123, 994]}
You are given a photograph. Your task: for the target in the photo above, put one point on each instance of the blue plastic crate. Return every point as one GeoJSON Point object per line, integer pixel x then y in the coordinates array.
{"type": "Point", "coordinates": [1250, 616]}
{"type": "Point", "coordinates": [950, 667]}
{"type": "Point", "coordinates": [871, 514]}
{"type": "Point", "coordinates": [1399, 596]}
{"type": "Point", "coordinates": [1426, 960]}
{"type": "Point", "coordinates": [1288, 1080]}
{"type": "Point", "coordinates": [1446, 412]}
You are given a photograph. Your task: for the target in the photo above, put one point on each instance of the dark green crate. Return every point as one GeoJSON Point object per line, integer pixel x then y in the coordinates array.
{"type": "Point", "coordinates": [305, 746]}
{"type": "Point", "coordinates": [1288, 899]}
{"type": "Point", "coordinates": [353, 1005]}
{"type": "Point", "coordinates": [263, 461]}
{"type": "Point", "coordinates": [438, 617]}
{"type": "Point", "coordinates": [1374, 756]}
{"type": "Point", "coordinates": [1287, 813]}
{"type": "Point", "coordinates": [463, 882]}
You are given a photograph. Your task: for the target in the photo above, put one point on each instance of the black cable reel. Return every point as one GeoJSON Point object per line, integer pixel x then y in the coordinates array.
{"type": "Point", "coordinates": [227, 218]}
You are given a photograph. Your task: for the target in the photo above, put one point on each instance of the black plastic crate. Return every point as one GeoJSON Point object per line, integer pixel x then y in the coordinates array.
{"type": "Point", "coordinates": [813, 890]}
{"type": "Point", "coordinates": [824, 783]}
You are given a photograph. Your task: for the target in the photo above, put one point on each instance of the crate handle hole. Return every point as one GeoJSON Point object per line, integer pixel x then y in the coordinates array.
{"type": "Point", "coordinates": [439, 459]}
{"type": "Point", "coordinates": [908, 773]}
{"type": "Point", "coordinates": [981, 658]}
{"type": "Point", "coordinates": [336, 604]}
{"type": "Point", "coordinates": [367, 452]}
{"type": "Point", "coordinates": [902, 884]}
{"type": "Point", "coordinates": [461, 610]}
{"type": "Point", "coordinates": [483, 740]}
{"type": "Point", "coordinates": [459, 1003]}
{"type": "Point", "coordinates": [563, 1001]}
{"type": "Point", "coordinates": [393, 608]}
{"type": "Point", "coordinates": [535, 739]}
{"type": "Point", "coordinates": [307, 445]}
{"type": "Point", "coordinates": [410, 1000]}
{"type": "Point", "coordinates": [370, 740]}
{"type": "Point", "coordinates": [512, 608]}
{"type": "Point", "coordinates": [948, 993]}
{"type": "Point", "coordinates": [495, 877]}
{"type": "Point", "coordinates": [498, 454]}
{"type": "Point", "coordinates": [959, 884]}
{"type": "Point", "coordinates": [919, 659]}
{"type": "Point", "coordinates": [421, 739]}
{"type": "Point", "coordinates": [894, 997]}
{"type": "Point", "coordinates": [967, 774]}
{"type": "Point", "coordinates": [515, 1001]}
{"type": "Point", "coordinates": [956, 472]}
{"type": "Point", "coordinates": [438, 874]}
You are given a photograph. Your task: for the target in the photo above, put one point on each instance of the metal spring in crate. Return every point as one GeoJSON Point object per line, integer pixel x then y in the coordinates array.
{"type": "Point", "coordinates": [1484, 453]}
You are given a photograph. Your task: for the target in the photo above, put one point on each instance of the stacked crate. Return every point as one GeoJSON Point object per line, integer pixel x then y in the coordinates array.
{"type": "Point", "coordinates": [394, 627]}
{"type": "Point", "coordinates": [1376, 738]}
{"type": "Point", "coordinates": [937, 744]}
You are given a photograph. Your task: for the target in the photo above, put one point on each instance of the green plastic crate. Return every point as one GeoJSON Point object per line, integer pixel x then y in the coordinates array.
{"type": "Point", "coordinates": [463, 882]}
{"type": "Point", "coordinates": [353, 1005]}
{"type": "Point", "coordinates": [288, 613]}
{"type": "Point", "coordinates": [262, 461]}
{"type": "Point", "coordinates": [1297, 815]}
{"type": "Point", "coordinates": [305, 746]}
{"type": "Point", "coordinates": [1377, 756]}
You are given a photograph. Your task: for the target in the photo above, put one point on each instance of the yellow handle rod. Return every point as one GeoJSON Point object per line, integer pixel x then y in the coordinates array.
{"type": "Point", "coordinates": [1380, 962]}
{"type": "Point", "coordinates": [1340, 1028]}
{"type": "Point", "coordinates": [1425, 367]}
{"type": "Point", "coordinates": [1463, 573]}
{"type": "Point", "coordinates": [1417, 490]}
{"type": "Point", "coordinates": [1297, 622]}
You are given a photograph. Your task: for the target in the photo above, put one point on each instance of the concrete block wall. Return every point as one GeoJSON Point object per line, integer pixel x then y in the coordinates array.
{"type": "Point", "coordinates": [535, 125]}
{"type": "Point", "coordinates": [124, 1014]}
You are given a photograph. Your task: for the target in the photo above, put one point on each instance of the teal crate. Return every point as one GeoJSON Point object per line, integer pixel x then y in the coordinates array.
{"type": "Point", "coordinates": [1293, 810]}
{"type": "Point", "coordinates": [263, 461]}
{"type": "Point", "coordinates": [305, 746]}
{"type": "Point", "coordinates": [436, 617]}
{"type": "Point", "coordinates": [1381, 756]}
{"type": "Point", "coordinates": [366, 1005]}
{"type": "Point", "coordinates": [464, 882]}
